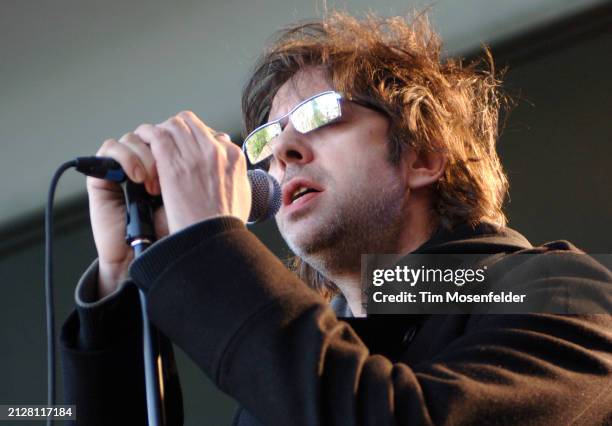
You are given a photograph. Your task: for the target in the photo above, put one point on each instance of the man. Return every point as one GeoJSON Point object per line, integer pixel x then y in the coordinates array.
{"type": "Point", "coordinates": [380, 148]}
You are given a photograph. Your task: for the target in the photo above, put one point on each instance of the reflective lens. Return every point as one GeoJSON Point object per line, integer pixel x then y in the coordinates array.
{"type": "Point", "coordinates": [257, 146]}
{"type": "Point", "coordinates": [315, 113]}
{"type": "Point", "coordinates": [307, 116]}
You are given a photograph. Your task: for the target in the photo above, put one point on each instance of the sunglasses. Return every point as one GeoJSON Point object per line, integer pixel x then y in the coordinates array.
{"type": "Point", "coordinates": [310, 114]}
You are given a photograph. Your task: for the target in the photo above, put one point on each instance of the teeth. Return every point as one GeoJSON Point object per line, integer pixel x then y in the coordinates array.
{"type": "Point", "coordinates": [298, 193]}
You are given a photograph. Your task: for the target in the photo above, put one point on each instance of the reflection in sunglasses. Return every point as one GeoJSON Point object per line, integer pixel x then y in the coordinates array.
{"type": "Point", "coordinates": [310, 114]}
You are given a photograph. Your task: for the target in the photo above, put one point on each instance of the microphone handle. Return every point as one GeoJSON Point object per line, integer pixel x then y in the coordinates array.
{"type": "Point", "coordinates": [265, 190]}
{"type": "Point", "coordinates": [140, 234]}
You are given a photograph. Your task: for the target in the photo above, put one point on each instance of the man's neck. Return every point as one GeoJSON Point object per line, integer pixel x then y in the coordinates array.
{"type": "Point", "coordinates": [349, 282]}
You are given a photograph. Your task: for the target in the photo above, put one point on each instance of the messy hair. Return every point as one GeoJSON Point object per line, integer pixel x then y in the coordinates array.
{"type": "Point", "coordinates": [433, 104]}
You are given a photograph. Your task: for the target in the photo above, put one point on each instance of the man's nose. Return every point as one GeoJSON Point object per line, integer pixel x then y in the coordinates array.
{"type": "Point", "coordinates": [291, 146]}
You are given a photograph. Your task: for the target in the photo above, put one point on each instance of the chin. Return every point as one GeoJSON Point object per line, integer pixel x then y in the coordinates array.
{"type": "Point", "coordinates": [300, 241]}
{"type": "Point", "coordinates": [302, 236]}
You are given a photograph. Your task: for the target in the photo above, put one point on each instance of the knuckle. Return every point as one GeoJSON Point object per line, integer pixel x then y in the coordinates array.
{"type": "Point", "coordinates": [224, 136]}
{"type": "Point", "coordinates": [233, 153]}
{"type": "Point", "coordinates": [108, 143]}
{"type": "Point", "coordinates": [159, 133]}
{"type": "Point", "coordinates": [159, 146]}
{"type": "Point", "coordinates": [145, 127]}
{"type": "Point", "coordinates": [186, 114]}
{"type": "Point", "coordinates": [176, 121]}
{"type": "Point", "coordinates": [129, 137]}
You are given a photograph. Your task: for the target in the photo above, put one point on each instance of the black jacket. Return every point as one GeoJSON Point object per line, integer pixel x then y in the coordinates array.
{"type": "Point", "coordinates": [278, 348]}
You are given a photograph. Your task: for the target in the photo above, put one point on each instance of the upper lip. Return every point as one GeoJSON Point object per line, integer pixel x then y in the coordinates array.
{"type": "Point", "coordinates": [293, 185]}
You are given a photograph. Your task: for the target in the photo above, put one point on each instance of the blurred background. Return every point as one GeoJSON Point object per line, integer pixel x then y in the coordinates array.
{"type": "Point", "coordinates": [73, 73]}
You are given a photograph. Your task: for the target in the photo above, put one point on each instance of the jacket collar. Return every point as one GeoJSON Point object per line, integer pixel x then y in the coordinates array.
{"type": "Point", "coordinates": [482, 238]}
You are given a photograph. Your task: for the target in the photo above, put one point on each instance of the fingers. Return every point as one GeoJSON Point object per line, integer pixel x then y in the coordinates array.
{"type": "Point", "coordinates": [134, 142]}
{"type": "Point", "coordinates": [185, 141]}
{"type": "Point", "coordinates": [203, 134]}
{"type": "Point", "coordinates": [182, 144]}
{"type": "Point", "coordinates": [164, 149]}
{"type": "Point", "coordinates": [190, 138]}
{"type": "Point", "coordinates": [135, 158]}
{"type": "Point", "coordinates": [126, 157]}
{"type": "Point", "coordinates": [209, 138]}
{"type": "Point", "coordinates": [222, 136]}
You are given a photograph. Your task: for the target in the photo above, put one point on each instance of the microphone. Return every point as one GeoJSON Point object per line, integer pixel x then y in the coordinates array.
{"type": "Point", "coordinates": [265, 190]}
{"type": "Point", "coordinates": [266, 196]}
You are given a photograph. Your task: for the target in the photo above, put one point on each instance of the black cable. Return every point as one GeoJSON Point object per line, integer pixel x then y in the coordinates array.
{"type": "Point", "coordinates": [109, 169]}
{"type": "Point", "coordinates": [49, 286]}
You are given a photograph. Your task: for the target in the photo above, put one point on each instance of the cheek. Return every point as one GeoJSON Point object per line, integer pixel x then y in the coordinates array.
{"type": "Point", "coordinates": [372, 172]}
{"type": "Point", "coordinates": [369, 160]}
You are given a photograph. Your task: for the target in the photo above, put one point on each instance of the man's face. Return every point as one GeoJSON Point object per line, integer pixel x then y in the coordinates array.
{"type": "Point", "coordinates": [357, 205]}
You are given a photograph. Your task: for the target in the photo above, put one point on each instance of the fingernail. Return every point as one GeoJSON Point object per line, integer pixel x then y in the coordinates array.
{"type": "Point", "coordinates": [139, 174]}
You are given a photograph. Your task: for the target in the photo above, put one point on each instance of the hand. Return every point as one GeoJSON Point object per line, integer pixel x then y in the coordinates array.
{"type": "Point", "coordinates": [107, 209]}
{"type": "Point", "coordinates": [200, 174]}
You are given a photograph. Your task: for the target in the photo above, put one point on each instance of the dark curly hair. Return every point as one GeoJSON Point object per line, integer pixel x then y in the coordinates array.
{"type": "Point", "coordinates": [432, 103]}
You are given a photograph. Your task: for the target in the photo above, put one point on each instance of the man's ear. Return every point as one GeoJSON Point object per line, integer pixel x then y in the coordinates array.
{"type": "Point", "coordinates": [422, 168]}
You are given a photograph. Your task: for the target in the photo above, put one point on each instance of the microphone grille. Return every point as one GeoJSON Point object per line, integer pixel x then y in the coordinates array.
{"type": "Point", "coordinates": [266, 196]}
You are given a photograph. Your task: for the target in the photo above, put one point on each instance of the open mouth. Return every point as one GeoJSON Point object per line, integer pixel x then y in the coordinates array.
{"type": "Point", "coordinates": [299, 188]}
{"type": "Point", "coordinates": [300, 192]}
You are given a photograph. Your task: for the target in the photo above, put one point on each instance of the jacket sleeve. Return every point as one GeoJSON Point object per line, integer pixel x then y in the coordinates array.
{"type": "Point", "coordinates": [101, 355]}
{"type": "Point", "coordinates": [274, 345]}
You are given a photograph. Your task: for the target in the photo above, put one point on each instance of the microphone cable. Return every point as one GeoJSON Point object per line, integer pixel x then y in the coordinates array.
{"type": "Point", "coordinates": [266, 202]}
{"type": "Point", "coordinates": [50, 302]}
{"type": "Point", "coordinates": [103, 168]}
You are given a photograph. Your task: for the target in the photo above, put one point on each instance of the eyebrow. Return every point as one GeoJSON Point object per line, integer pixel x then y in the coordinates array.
{"type": "Point", "coordinates": [268, 119]}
